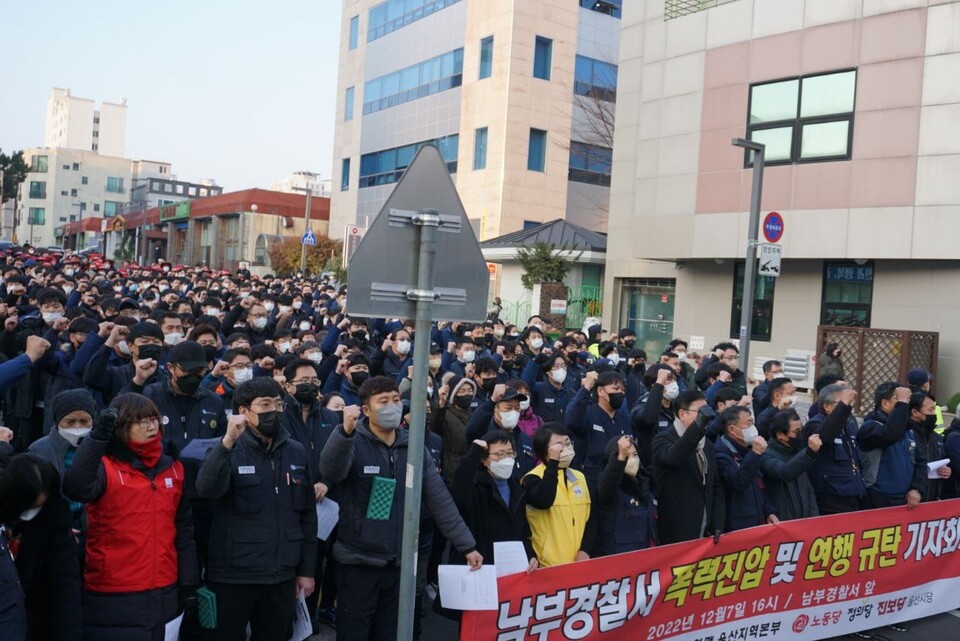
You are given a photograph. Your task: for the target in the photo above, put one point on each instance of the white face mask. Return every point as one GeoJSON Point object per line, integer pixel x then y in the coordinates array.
{"type": "Point", "coordinates": [52, 317]}
{"type": "Point", "coordinates": [124, 348]}
{"type": "Point", "coordinates": [792, 400]}
{"type": "Point", "coordinates": [536, 343]}
{"type": "Point", "coordinates": [284, 347]}
{"type": "Point", "coordinates": [163, 288]}
{"type": "Point", "coordinates": [73, 434]}
{"type": "Point", "coordinates": [503, 469]}
{"type": "Point", "coordinates": [682, 356]}
{"type": "Point", "coordinates": [614, 357]}
{"type": "Point", "coordinates": [403, 347]}
{"type": "Point", "coordinates": [68, 290]}
{"type": "Point", "coordinates": [671, 391]}
{"type": "Point", "coordinates": [304, 326]}
{"type": "Point", "coordinates": [524, 406]}
{"type": "Point", "coordinates": [566, 457]}
{"type": "Point", "coordinates": [212, 311]}
{"type": "Point", "coordinates": [750, 434]}
{"type": "Point", "coordinates": [298, 304]}
{"type": "Point", "coordinates": [270, 306]}
{"type": "Point", "coordinates": [633, 466]}
{"type": "Point", "coordinates": [283, 308]}
{"type": "Point", "coordinates": [172, 338]}
{"type": "Point", "coordinates": [509, 419]}
{"type": "Point", "coordinates": [467, 357]}
{"type": "Point", "coordinates": [242, 375]}
{"type": "Point", "coordinates": [30, 514]}
{"type": "Point", "coordinates": [258, 323]}
{"type": "Point", "coordinates": [558, 375]}
{"type": "Point", "coordinates": [315, 357]}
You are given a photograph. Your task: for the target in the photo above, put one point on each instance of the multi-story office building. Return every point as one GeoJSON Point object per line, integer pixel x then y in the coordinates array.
{"type": "Point", "coordinates": [300, 181]}
{"type": "Point", "coordinates": [857, 104]}
{"type": "Point", "coordinates": [76, 123]}
{"type": "Point", "coordinates": [517, 94]}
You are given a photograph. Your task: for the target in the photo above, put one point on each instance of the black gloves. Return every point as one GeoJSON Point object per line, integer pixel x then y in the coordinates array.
{"type": "Point", "coordinates": [705, 414]}
{"type": "Point", "coordinates": [106, 423]}
{"type": "Point", "coordinates": [542, 360]}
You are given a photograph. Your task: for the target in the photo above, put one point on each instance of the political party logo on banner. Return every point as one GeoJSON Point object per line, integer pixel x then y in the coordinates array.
{"type": "Point", "coordinates": [799, 580]}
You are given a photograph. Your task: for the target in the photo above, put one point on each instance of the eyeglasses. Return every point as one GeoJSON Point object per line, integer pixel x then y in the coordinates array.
{"type": "Point", "coordinates": [237, 366]}
{"type": "Point", "coordinates": [306, 381]}
{"type": "Point", "coordinates": [146, 423]}
{"type": "Point", "coordinates": [256, 316]}
{"type": "Point", "coordinates": [498, 456]}
{"type": "Point", "coordinates": [268, 406]}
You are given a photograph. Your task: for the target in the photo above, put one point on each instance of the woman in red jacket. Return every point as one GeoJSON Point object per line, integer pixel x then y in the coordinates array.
{"type": "Point", "coordinates": [140, 552]}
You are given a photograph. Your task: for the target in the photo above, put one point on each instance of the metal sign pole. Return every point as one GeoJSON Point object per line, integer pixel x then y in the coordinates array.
{"type": "Point", "coordinates": [750, 267]}
{"type": "Point", "coordinates": [427, 221]}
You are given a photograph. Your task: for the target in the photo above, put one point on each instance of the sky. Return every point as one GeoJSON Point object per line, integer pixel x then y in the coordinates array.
{"type": "Point", "coordinates": [240, 91]}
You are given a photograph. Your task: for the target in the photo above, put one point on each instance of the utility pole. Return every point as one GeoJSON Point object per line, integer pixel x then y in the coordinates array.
{"type": "Point", "coordinates": [750, 268]}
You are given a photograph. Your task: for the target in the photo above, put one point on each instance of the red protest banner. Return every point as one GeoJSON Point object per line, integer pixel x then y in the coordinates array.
{"type": "Point", "coordinates": [799, 580]}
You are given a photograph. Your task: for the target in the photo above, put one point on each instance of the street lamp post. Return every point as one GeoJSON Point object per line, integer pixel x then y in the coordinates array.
{"type": "Point", "coordinates": [750, 268]}
{"type": "Point", "coordinates": [303, 248]}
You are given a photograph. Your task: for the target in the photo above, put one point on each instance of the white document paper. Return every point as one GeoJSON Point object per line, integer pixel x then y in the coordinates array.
{"type": "Point", "coordinates": [198, 448]}
{"type": "Point", "coordinates": [933, 466]}
{"type": "Point", "coordinates": [172, 630]}
{"type": "Point", "coordinates": [328, 513]}
{"type": "Point", "coordinates": [510, 557]}
{"type": "Point", "coordinates": [463, 589]}
{"type": "Point", "coordinates": [302, 629]}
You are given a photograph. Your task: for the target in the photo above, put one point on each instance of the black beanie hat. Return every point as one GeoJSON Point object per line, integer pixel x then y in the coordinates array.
{"type": "Point", "coordinates": [71, 401]}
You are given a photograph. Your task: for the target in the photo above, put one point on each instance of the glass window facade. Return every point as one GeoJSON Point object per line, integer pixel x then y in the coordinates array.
{"type": "Point", "coordinates": [486, 57]}
{"type": "Point", "coordinates": [36, 216]}
{"type": "Point", "coordinates": [595, 79]}
{"type": "Point", "coordinates": [38, 164]}
{"type": "Point", "coordinates": [537, 150]}
{"type": "Point", "coordinates": [348, 104]}
{"type": "Point", "coordinates": [418, 81]}
{"type": "Point", "coordinates": [762, 325]}
{"type": "Point", "coordinates": [115, 184]}
{"type": "Point", "coordinates": [389, 16]}
{"type": "Point", "coordinates": [542, 58]}
{"type": "Point", "coordinates": [806, 119]}
{"type": "Point", "coordinates": [110, 208]}
{"type": "Point", "coordinates": [386, 166]}
{"type": "Point", "coordinates": [480, 149]}
{"type": "Point", "coordinates": [590, 164]}
{"type": "Point", "coordinates": [610, 7]}
{"type": "Point", "coordinates": [354, 31]}
{"type": "Point", "coordinates": [38, 189]}
{"type": "Point", "coordinates": [345, 175]}
{"type": "Point", "coordinates": [847, 294]}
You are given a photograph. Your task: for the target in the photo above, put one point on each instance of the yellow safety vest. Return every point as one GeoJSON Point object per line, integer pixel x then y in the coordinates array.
{"type": "Point", "coordinates": [558, 530]}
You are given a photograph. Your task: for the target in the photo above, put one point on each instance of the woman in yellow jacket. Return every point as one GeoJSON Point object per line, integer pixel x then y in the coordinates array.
{"type": "Point", "coordinates": [558, 501]}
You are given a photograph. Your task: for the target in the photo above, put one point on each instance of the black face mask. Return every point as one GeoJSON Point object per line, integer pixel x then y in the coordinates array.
{"type": "Point", "coordinates": [189, 383]}
{"type": "Point", "coordinates": [150, 351]}
{"type": "Point", "coordinates": [210, 351]}
{"type": "Point", "coordinates": [488, 384]}
{"type": "Point", "coordinates": [507, 365]}
{"type": "Point", "coordinates": [797, 443]}
{"type": "Point", "coordinates": [630, 343]}
{"type": "Point", "coordinates": [615, 400]}
{"type": "Point", "coordinates": [269, 423]}
{"type": "Point", "coordinates": [463, 402]}
{"type": "Point", "coordinates": [360, 336]}
{"type": "Point", "coordinates": [306, 393]}
{"type": "Point", "coordinates": [359, 378]}
{"type": "Point", "coordinates": [930, 421]}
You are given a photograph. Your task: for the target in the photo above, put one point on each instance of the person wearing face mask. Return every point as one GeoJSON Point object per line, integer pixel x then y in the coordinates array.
{"type": "Point", "coordinates": [235, 367]}
{"type": "Point", "coordinates": [655, 412]}
{"type": "Point", "coordinates": [687, 376]}
{"type": "Point", "coordinates": [690, 496]}
{"type": "Point", "coordinates": [451, 419]}
{"type": "Point", "coordinates": [368, 547]}
{"type": "Point", "coordinates": [264, 517]}
{"type": "Point", "coordinates": [72, 414]}
{"type": "Point", "coordinates": [394, 356]}
{"type": "Point", "coordinates": [923, 421]}
{"type": "Point", "coordinates": [729, 355]}
{"type": "Point", "coordinates": [894, 461]}
{"type": "Point", "coordinates": [626, 340]}
{"type": "Point", "coordinates": [38, 521]}
{"type": "Point", "coordinates": [346, 380]}
{"type": "Point", "coordinates": [627, 510]}
{"type": "Point", "coordinates": [530, 422]}
{"type": "Point", "coordinates": [761, 393]}
{"type": "Point", "coordinates": [134, 492]}
{"type": "Point", "coordinates": [782, 396]}
{"type": "Point", "coordinates": [563, 524]}
{"type": "Point", "coordinates": [502, 412]}
{"type": "Point", "coordinates": [490, 498]}
{"type": "Point", "coordinates": [486, 377]}
{"type": "Point", "coordinates": [259, 327]}
{"type": "Point", "coordinates": [740, 453]}
{"type": "Point", "coordinates": [531, 341]}
{"type": "Point", "coordinates": [551, 389]}
{"type": "Point", "coordinates": [459, 354]}
{"type": "Point", "coordinates": [785, 466]}
{"type": "Point", "coordinates": [596, 414]}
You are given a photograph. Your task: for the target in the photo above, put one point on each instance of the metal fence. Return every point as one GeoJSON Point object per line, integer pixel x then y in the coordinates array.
{"type": "Point", "coordinates": [678, 8]}
{"type": "Point", "coordinates": [873, 356]}
{"type": "Point", "coordinates": [583, 302]}
{"type": "Point", "coordinates": [516, 312]}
